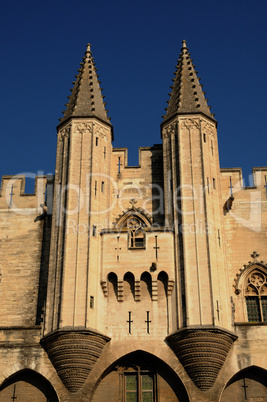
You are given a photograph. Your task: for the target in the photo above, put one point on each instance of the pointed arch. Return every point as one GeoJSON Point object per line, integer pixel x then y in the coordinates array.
{"type": "Point", "coordinates": [121, 222]}
{"type": "Point", "coordinates": [112, 286]}
{"type": "Point", "coordinates": [251, 285]}
{"type": "Point", "coordinates": [30, 384]}
{"type": "Point", "coordinates": [141, 367]}
{"type": "Point", "coordinates": [163, 280]}
{"type": "Point", "coordinates": [146, 285]}
{"type": "Point", "coordinates": [250, 382]}
{"type": "Point", "coordinates": [128, 286]}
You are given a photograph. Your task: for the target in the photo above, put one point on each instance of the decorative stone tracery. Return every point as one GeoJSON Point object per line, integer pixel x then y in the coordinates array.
{"type": "Point", "coordinates": [82, 128]}
{"type": "Point", "coordinates": [190, 123]}
{"type": "Point", "coordinates": [64, 133]}
{"type": "Point", "coordinates": [247, 269]}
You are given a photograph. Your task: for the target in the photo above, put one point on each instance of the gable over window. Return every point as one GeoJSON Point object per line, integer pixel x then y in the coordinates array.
{"type": "Point", "coordinates": [251, 285]}
{"type": "Point", "coordinates": [136, 223]}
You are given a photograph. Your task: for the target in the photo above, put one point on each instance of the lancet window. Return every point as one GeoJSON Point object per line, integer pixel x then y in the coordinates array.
{"type": "Point", "coordinates": [136, 232]}
{"type": "Point", "coordinates": [256, 296]}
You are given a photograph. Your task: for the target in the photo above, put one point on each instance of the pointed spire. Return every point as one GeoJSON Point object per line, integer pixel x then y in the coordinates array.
{"type": "Point", "coordinates": [187, 95]}
{"type": "Point", "coordinates": [86, 99]}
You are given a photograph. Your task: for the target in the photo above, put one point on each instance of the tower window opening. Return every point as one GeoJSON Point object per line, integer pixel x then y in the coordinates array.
{"type": "Point", "coordinates": [96, 141]}
{"type": "Point", "coordinates": [204, 137]}
{"type": "Point", "coordinates": [91, 301]}
{"type": "Point", "coordinates": [94, 231]}
{"type": "Point", "coordinates": [208, 184]}
{"type": "Point", "coordinates": [214, 184]}
{"type": "Point", "coordinates": [211, 146]}
{"type": "Point", "coordinates": [102, 186]}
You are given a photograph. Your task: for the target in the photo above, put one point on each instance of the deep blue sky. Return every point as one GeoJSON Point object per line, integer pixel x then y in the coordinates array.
{"type": "Point", "coordinates": [135, 46]}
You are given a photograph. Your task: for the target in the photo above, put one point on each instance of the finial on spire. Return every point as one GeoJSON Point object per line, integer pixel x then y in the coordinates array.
{"type": "Point", "coordinates": [184, 43]}
{"type": "Point", "coordinates": [88, 47]}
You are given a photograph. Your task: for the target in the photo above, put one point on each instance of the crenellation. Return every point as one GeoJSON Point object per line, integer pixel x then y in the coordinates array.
{"type": "Point", "coordinates": [13, 196]}
{"type": "Point", "coordinates": [139, 282]}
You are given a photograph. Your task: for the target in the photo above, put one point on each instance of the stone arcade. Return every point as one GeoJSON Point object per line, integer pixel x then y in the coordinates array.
{"type": "Point", "coordinates": [144, 283]}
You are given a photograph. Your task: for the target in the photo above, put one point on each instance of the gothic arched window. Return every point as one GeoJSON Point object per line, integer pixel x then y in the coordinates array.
{"type": "Point", "coordinates": [256, 296]}
{"type": "Point", "coordinates": [136, 232]}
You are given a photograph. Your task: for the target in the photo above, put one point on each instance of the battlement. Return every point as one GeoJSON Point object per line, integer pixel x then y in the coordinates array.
{"type": "Point", "coordinates": [232, 181]}
{"type": "Point", "coordinates": [13, 196]}
{"type": "Point", "coordinates": [143, 152]}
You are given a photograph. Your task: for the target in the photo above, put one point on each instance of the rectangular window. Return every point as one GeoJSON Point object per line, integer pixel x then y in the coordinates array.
{"type": "Point", "coordinates": [264, 307]}
{"type": "Point", "coordinates": [204, 137]}
{"type": "Point", "coordinates": [139, 387]}
{"type": "Point", "coordinates": [253, 309]}
{"type": "Point", "coordinates": [214, 184]}
{"type": "Point", "coordinates": [102, 186]}
{"type": "Point", "coordinates": [96, 141]}
{"type": "Point", "coordinates": [131, 388]}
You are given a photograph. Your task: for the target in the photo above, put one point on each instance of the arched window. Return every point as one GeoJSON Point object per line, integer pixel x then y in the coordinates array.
{"type": "Point", "coordinates": [136, 232]}
{"type": "Point", "coordinates": [112, 286]}
{"type": "Point", "coordinates": [256, 296]}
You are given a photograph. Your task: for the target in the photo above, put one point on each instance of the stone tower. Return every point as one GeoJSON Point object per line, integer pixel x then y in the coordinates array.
{"type": "Point", "coordinates": [81, 195]}
{"type": "Point", "coordinates": [133, 283]}
{"type": "Point", "coordinates": [193, 206]}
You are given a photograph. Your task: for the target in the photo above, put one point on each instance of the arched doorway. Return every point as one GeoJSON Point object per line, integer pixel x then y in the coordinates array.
{"type": "Point", "coordinates": [139, 376]}
{"type": "Point", "coordinates": [247, 385]}
{"type": "Point", "coordinates": [27, 386]}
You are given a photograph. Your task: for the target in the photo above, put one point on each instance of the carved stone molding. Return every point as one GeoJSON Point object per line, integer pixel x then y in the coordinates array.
{"type": "Point", "coordinates": [101, 131]}
{"type": "Point", "coordinates": [82, 128]}
{"type": "Point", "coordinates": [207, 128]}
{"type": "Point", "coordinates": [202, 351]}
{"type": "Point", "coordinates": [73, 353]}
{"type": "Point", "coordinates": [65, 132]}
{"type": "Point", "coordinates": [169, 130]}
{"type": "Point", "coordinates": [247, 268]}
{"type": "Point", "coordinates": [189, 123]}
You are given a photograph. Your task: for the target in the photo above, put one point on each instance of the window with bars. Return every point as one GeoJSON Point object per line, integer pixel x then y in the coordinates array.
{"type": "Point", "coordinates": [256, 296]}
{"type": "Point", "coordinates": [139, 387]}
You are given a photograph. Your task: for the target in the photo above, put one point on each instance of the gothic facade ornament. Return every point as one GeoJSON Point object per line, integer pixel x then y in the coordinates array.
{"type": "Point", "coordinates": [64, 133]}
{"type": "Point", "coordinates": [207, 127]}
{"type": "Point", "coordinates": [169, 130]}
{"type": "Point", "coordinates": [82, 128]}
{"type": "Point", "coordinates": [247, 270]}
{"type": "Point", "coordinates": [190, 124]}
{"type": "Point", "coordinates": [101, 131]}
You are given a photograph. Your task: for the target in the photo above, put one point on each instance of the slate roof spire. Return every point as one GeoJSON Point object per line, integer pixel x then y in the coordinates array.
{"type": "Point", "coordinates": [186, 96]}
{"type": "Point", "coordinates": [86, 99]}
